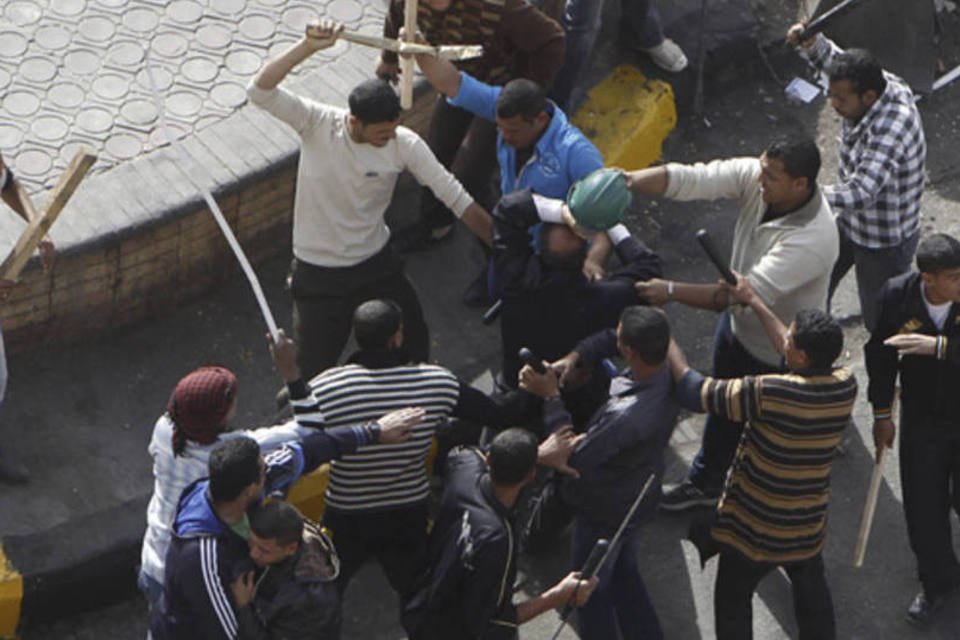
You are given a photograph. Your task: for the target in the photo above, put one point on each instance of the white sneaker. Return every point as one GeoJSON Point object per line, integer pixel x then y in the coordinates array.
{"type": "Point", "coordinates": [668, 56]}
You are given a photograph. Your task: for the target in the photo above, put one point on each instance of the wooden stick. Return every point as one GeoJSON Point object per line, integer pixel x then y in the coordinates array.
{"type": "Point", "coordinates": [449, 52]}
{"type": "Point", "coordinates": [33, 235]}
{"type": "Point", "coordinates": [869, 508]}
{"type": "Point", "coordinates": [407, 62]}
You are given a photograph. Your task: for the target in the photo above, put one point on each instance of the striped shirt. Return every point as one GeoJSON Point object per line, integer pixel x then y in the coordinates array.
{"type": "Point", "coordinates": [774, 503]}
{"type": "Point", "coordinates": [882, 157]}
{"type": "Point", "coordinates": [383, 476]}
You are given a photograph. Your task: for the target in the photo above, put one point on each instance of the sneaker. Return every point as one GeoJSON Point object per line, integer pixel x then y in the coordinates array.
{"type": "Point", "coordinates": [668, 56]}
{"type": "Point", "coordinates": [922, 609]}
{"type": "Point", "coordinates": [687, 496]}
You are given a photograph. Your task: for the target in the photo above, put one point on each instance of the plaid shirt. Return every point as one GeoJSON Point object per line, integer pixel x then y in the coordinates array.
{"type": "Point", "coordinates": [877, 200]}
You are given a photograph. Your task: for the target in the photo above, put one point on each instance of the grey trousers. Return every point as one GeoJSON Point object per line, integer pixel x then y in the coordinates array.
{"type": "Point", "coordinates": [873, 268]}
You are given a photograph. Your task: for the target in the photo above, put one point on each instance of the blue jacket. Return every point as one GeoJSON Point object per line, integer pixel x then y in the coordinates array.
{"type": "Point", "coordinates": [206, 555]}
{"type": "Point", "coordinates": [562, 156]}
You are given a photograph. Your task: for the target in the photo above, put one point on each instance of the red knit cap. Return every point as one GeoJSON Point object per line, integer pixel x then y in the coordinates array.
{"type": "Point", "coordinates": [200, 402]}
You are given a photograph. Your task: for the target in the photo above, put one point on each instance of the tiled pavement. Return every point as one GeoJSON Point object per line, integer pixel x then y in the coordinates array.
{"type": "Point", "coordinates": [72, 72]}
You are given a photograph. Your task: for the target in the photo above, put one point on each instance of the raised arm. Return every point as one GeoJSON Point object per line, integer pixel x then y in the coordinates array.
{"type": "Point", "coordinates": [319, 35]}
{"type": "Point", "coordinates": [441, 74]}
{"type": "Point", "coordinates": [745, 295]}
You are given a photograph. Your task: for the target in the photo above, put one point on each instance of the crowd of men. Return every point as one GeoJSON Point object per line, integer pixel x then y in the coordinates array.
{"type": "Point", "coordinates": [224, 556]}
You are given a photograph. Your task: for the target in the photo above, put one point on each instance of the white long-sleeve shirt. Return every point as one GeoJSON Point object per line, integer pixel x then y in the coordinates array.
{"type": "Point", "coordinates": [788, 260]}
{"type": "Point", "coordinates": [344, 187]}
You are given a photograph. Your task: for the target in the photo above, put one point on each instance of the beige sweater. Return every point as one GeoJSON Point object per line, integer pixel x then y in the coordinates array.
{"type": "Point", "coordinates": [788, 260]}
{"type": "Point", "coordinates": [344, 187]}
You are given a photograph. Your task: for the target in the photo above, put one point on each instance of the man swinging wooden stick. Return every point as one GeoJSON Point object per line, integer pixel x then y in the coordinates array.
{"type": "Point", "coordinates": [34, 237]}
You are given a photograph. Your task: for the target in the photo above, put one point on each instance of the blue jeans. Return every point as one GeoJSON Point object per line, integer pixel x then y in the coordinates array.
{"type": "Point", "coordinates": [620, 606]}
{"type": "Point", "coordinates": [581, 22]}
{"type": "Point", "coordinates": [721, 436]}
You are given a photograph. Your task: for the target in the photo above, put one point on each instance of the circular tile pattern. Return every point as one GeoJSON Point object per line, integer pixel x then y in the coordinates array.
{"type": "Point", "coordinates": [141, 19]}
{"type": "Point", "coordinates": [94, 120]}
{"type": "Point", "coordinates": [205, 122]}
{"type": "Point", "coordinates": [184, 12]}
{"type": "Point", "coordinates": [125, 54]}
{"type": "Point", "coordinates": [170, 44]}
{"type": "Point", "coordinates": [21, 104]}
{"type": "Point", "coordinates": [37, 69]}
{"type": "Point", "coordinates": [298, 18]}
{"type": "Point", "coordinates": [49, 128]}
{"type": "Point", "coordinates": [22, 13]}
{"type": "Point", "coordinates": [81, 62]}
{"type": "Point", "coordinates": [272, 3]}
{"type": "Point", "coordinates": [229, 94]}
{"type": "Point", "coordinates": [162, 78]}
{"type": "Point", "coordinates": [96, 28]}
{"type": "Point", "coordinates": [199, 70]}
{"type": "Point", "coordinates": [4, 79]}
{"type": "Point", "coordinates": [344, 10]}
{"type": "Point", "coordinates": [183, 104]}
{"type": "Point", "coordinates": [228, 7]}
{"type": "Point", "coordinates": [65, 95]}
{"type": "Point", "coordinates": [52, 37]}
{"type": "Point", "coordinates": [279, 47]}
{"type": "Point", "coordinates": [242, 63]}
{"type": "Point", "coordinates": [10, 136]}
{"type": "Point", "coordinates": [112, 4]}
{"type": "Point", "coordinates": [12, 44]}
{"type": "Point", "coordinates": [123, 146]}
{"type": "Point", "coordinates": [214, 36]}
{"type": "Point", "coordinates": [138, 112]}
{"type": "Point", "coordinates": [33, 163]}
{"type": "Point", "coordinates": [257, 27]}
{"type": "Point", "coordinates": [111, 86]}
{"type": "Point", "coordinates": [68, 8]}
{"type": "Point", "coordinates": [158, 138]}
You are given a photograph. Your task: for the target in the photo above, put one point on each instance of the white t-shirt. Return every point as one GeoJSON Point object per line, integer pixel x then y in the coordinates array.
{"type": "Point", "coordinates": [343, 186]}
{"type": "Point", "coordinates": [938, 312]}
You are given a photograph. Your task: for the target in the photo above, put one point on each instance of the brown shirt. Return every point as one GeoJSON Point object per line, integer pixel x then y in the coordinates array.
{"type": "Point", "coordinates": [519, 41]}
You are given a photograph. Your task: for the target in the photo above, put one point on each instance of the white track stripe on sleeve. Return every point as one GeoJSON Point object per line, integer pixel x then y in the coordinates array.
{"type": "Point", "coordinates": [211, 579]}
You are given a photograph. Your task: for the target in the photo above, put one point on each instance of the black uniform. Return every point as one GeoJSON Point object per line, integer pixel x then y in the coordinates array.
{"type": "Point", "coordinates": [468, 590]}
{"type": "Point", "coordinates": [929, 424]}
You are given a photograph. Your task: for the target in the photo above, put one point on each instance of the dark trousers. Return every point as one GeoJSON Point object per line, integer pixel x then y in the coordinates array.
{"type": "Point", "coordinates": [581, 22]}
{"type": "Point", "coordinates": [324, 299]}
{"type": "Point", "coordinates": [467, 146]}
{"type": "Point", "coordinates": [930, 478]}
{"type": "Point", "coordinates": [873, 268]}
{"type": "Point", "coordinates": [397, 538]}
{"type": "Point", "coordinates": [721, 436]}
{"type": "Point", "coordinates": [737, 579]}
{"type": "Point", "coordinates": [620, 606]}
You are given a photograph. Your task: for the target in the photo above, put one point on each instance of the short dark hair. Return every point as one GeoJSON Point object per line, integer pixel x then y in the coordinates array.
{"type": "Point", "coordinates": [818, 335]}
{"type": "Point", "coordinates": [861, 68]}
{"type": "Point", "coordinates": [375, 321]}
{"type": "Point", "coordinates": [513, 453]}
{"type": "Point", "coordinates": [521, 97]}
{"type": "Point", "coordinates": [234, 465]}
{"type": "Point", "coordinates": [938, 252]}
{"type": "Point", "coordinates": [646, 331]}
{"type": "Point", "coordinates": [278, 521]}
{"type": "Point", "coordinates": [374, 101]}
{"type": "Point", "coordinates": [800, 158]}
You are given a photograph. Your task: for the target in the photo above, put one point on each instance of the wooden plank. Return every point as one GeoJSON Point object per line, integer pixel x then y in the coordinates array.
{"type": "Point", "coordinates": [36, 230]}
{"type": "Point", "coordinates": [407, 62]}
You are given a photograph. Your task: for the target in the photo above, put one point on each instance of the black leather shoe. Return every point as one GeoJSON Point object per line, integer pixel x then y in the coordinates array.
{"type": "Point", "coordinates": [922, 609]}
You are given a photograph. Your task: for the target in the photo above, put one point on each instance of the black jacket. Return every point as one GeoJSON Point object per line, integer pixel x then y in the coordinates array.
{"type": "Point", "coordinates": [930, 388]}
{"type": "Point", "coordinates": [468, 592]}
{"type": "Point", "coordinates": [206, 555]}
{"type": "Point", "coordinates": [296, 599]}
{"type": "Point", "coordinates": [549, 309]}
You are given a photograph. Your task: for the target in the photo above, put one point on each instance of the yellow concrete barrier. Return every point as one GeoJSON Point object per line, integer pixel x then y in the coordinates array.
{"type": "Point", "coordinates": [11, 595]}
{"type": "Point", "coordinates": [628, 117]}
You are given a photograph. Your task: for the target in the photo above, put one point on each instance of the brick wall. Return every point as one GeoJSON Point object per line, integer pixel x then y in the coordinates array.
{"type": "Point", "coordinates": [138, 272]}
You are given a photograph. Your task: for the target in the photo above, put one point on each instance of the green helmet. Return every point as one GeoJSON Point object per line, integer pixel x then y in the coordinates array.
{"type": "Point", "coordinates": [600, 200]}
